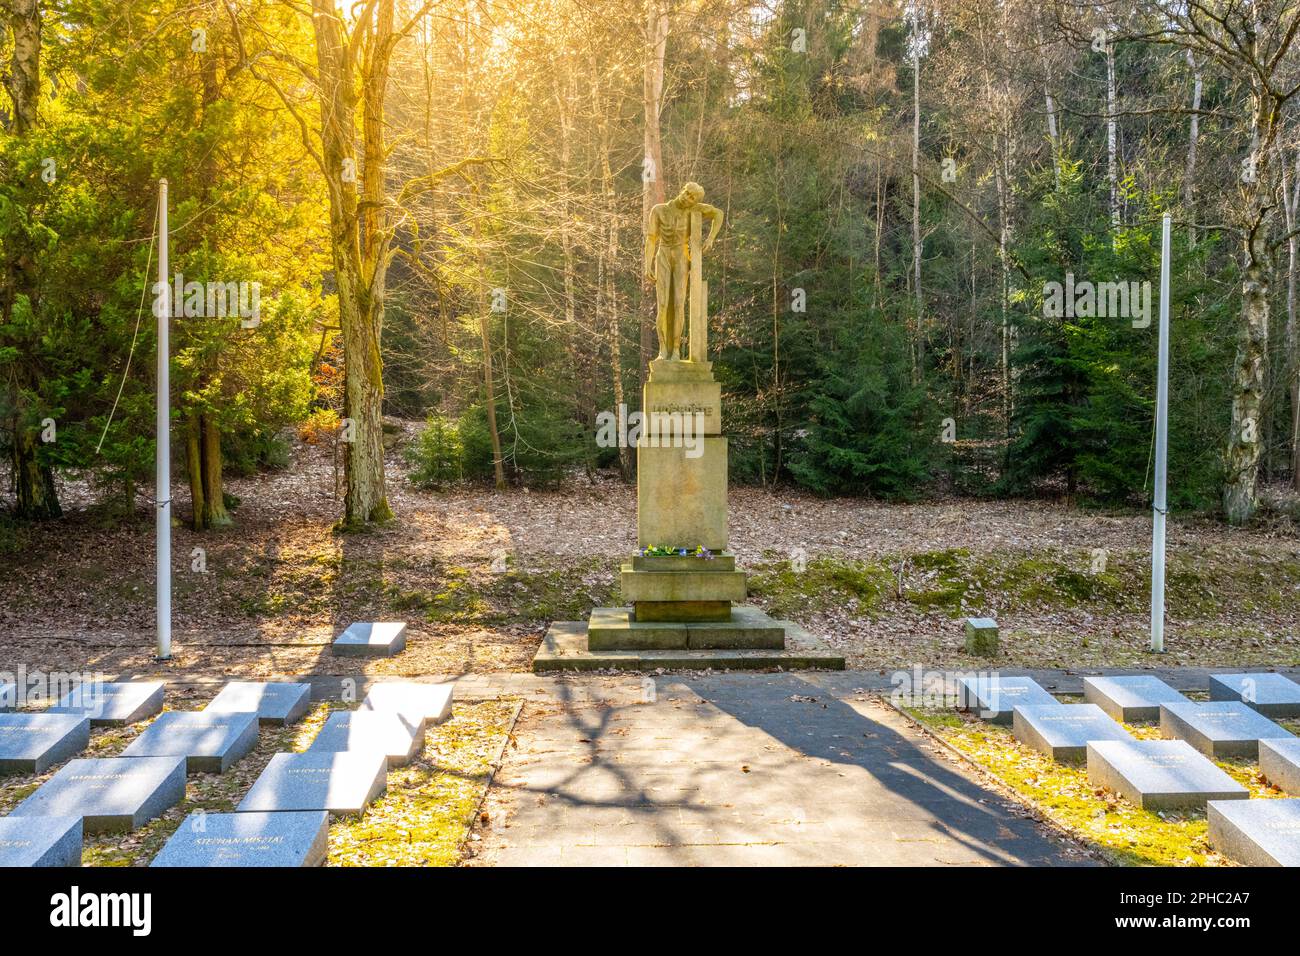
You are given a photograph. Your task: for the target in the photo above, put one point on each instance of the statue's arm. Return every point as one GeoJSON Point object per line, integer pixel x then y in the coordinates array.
{"type": "Point", "coordinates": [651, 244]}
{"type": "Point", "coordinates": [714, 215]}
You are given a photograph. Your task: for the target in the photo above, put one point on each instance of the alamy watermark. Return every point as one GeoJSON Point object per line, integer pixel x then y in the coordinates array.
{"type": "Point", "coordinates": [26, 687]}
{"type": "Point", "coordinates": [1085, 300]}
{"type": "Point", "coordinates": [674, 428]}
{"type": "Point", "coordinates": [210, 300]}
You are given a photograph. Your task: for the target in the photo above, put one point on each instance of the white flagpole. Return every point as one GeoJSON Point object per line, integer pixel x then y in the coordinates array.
{"type": "Point", "coordinates": [163, 470]}
{"type": "Point", "coordinates": [1158, 504]}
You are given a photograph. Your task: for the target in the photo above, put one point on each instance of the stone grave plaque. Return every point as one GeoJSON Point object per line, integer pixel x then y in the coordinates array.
{"type": "Point", "coordinates": [40, 841]}
{"type": "Point", "coordinates": [1273, 695]}
{"type": "Point", "coordinates": [1130, 699]}
{"type": "Point", "coordinates": [109, 794]}
{"type": "Point", "coordinates": [417, 703]}
{"type": "Point", "coordinates": [342, 783]}
{"type": "Point", "coordinates": [1063, 731]}
{"type": "Point", "coordinates": [1257, 832]}
{"type": "Point", "coordinates": [294, 838]}
{"type": "Point", "coordinates": [1159, 774]}
{"type": "Point", "coordinates": [277, 704]}
{"type": "Point", "coordinates": [33, 743]}
{"type": "Point", "coordinates": [113, 704]}
{"type": "Point", "coordinates": [1219, 728]}
{"type": "Point", "coordinates": [994, 697]}
{"type": "Point", "coordinates": [8, 696]}
{"type": "Point", "coordinates": [1279, 762]}
{"type": "Point", "coordinates": [391, 734]}
{"type": "Point", "coordinates": [380, 639]}
{"type": "Point", "coordinates": [210, 743]}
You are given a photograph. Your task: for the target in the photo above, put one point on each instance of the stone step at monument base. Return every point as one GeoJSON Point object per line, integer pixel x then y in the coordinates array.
{"type": "Point", "coordinates": [695, 585]}
{"type": "Point", "coordinates": [682, 611]}
{"type": "Point", "coordinates": [616, 629]}
{"type": "Point", "coordinates": [565, 647]}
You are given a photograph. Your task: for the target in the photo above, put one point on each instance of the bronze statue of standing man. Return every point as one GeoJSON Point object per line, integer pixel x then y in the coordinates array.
{"type": "Point", "coordinates": [667, 259]}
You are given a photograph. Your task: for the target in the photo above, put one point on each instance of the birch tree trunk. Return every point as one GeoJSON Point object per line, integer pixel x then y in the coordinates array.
{"type": "Point", "coordinates": [652, 177]}
{"type": "Point", "coordinates": [918, 370]}
{"type": "Point", "coordinates": [1112, 139]}
{"type": "Point", "coordinates": [1193, 137]}
{"type": "Point", "coordinates": [1053, 130]}
{"type": "Point", "coordinates": [1241, 458]}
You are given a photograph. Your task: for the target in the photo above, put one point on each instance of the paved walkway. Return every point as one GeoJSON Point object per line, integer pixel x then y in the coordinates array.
{"type": "Point", "coordinates": [756, 769]}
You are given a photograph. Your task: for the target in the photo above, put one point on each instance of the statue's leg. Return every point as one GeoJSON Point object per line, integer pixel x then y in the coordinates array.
{"type": "Point", "coordinates": [679, 305]}
{"type": "Point", "coordinates": [663, 299]}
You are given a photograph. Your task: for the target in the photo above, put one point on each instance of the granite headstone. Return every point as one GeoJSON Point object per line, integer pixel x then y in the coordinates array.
{"type": "Point", "coordinates": [32, 743]}
{"type": "Point", "coordinates": [278, 704]}
{"type": "Point", "coordinates": [389, 733]}
{"type": "Point", "coordinates": [994, 697]}
{"type": "Point", "coordinates": [1273, 695]}
{"type": "Point", "coordinates": [1219, 728]}
{"type": "Point", "coordinates": [342, 783]}
{"type": "Point", "coordinates": [1279, 762]}
{"type": "Point", "coordinates": [377, 639]}
{"type": "Point", "coordinates": [109, 794]}
{"type": "Point", "coordinates": [210, 743]}
{"type": "Point", "coordinates": [1257, 832]}
{"type": "Point", "coordinates": [289, 839]}
{"type": "Point", "coordinates": [40, 841]}
{"type": "Point", "coordinates": [1130, 699]}
{"type": "Point", "coordinates": [1063, 731]}
{"type": "Point", "coordinates": [113, 704]}
{"type": "Point", "coordinates": [1159, 774]}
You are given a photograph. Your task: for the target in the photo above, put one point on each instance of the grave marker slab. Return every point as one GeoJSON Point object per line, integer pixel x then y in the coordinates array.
{"type": "Point", "coordinates": [292, 839]}
{"type": "Point", "coordinates": [1130, 699]}
{"type": "Point", "coordinates": [1159, 774]}
{"type": "Point", "coordinates": [40, 841]}
{"type": "Point", "coordinates": [1279, 762]}
{"type": "Point", "coordinates": [342, 783]}
{"type": "Point", "coordinates": [1063, 731]}
{"type": "Point", "coordinates": [381, 639]}
{"type": "Point", "coordinates": [8, 696]}
{"type": "Point", "coordinates": [110, 794]}
{"type": "Point", "coordinates": [385, 732]}
{"type": "Point", "coordinates": [1257, 832]}
{"type": "Point", "coordinates": [994, 696]}
{"type": "Point", "coordinates": [33, 743]}
{"type": "Point", "coordinates": [1273, 695]}
{"type": "Point", "coordinates": [1219, 728]}
{"type": "Point", "coordinates": [417, 703]}
{"type": "Point", "coordinates": [278, 704]}
{"type": "Point", "coordinates": [210, 743]}
{"type": "Point", "coordinates": [113, 704]}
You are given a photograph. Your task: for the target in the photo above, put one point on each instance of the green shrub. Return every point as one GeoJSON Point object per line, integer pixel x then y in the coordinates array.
{"type": "Point", "coordinates": [437, 454]}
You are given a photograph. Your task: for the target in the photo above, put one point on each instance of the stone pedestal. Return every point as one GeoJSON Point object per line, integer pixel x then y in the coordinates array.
{"type": "Point", "coordinates": [682, 610]}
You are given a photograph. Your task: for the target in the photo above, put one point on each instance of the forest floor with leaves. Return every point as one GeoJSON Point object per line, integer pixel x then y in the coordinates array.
{"type": "Point", "coordinates": [479, 575]}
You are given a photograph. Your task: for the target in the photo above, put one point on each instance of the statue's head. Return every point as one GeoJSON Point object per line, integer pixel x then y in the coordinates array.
{"type": "Point", "coordinates": [691, 194]}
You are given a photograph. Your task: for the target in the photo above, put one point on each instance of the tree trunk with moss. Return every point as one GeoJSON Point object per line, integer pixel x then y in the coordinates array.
{"type": "Point", "coordinates": [360, 235]}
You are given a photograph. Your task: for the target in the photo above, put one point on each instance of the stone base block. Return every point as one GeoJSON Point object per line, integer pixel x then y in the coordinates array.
{"type": "Point", "coordinates": [682, 501]}
{"type": "Point", "coordinates": [719, 562]}
{"type": "Point", "coordinates": [565, 647]}
{"type": "Point", "coordinates": [663, 586]}
{"type": "Point", "coordinates": [683, 611]}
{"type": "Point", "coordinates": [613, 628]}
